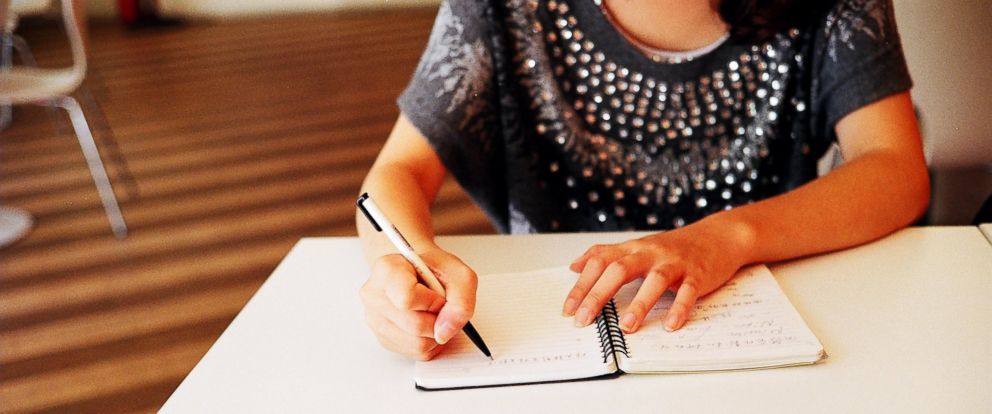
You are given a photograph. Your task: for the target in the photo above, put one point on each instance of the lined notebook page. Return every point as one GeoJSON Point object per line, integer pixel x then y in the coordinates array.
{"type": "Point", "coordinates": [748, 323]}
{"type": "Point", "coordinates": [519, 317]}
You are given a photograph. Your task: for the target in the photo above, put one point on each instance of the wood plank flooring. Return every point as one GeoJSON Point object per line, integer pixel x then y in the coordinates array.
{"type": "Point", "coordinates": [242, 137]}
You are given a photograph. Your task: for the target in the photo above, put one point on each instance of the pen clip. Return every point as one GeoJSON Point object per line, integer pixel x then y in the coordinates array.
{"type": "Point", "coordinates": [359, 203]}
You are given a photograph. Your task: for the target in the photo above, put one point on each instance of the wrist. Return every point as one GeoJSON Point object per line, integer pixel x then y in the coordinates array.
{"type": "Point", "coordinates": [737, 234]}
{"type": "Point", "coordinates": [424, 246]}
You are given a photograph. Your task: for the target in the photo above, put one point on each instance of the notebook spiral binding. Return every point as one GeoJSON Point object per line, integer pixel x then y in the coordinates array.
{"type": "Point", "coordinates": [610, 336]}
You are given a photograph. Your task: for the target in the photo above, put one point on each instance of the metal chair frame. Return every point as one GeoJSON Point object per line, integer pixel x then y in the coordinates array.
{"type": "Point", "coordinates": [65, 82]}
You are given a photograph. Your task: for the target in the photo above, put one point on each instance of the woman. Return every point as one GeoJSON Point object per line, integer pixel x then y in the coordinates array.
{"type": "Point", "coordinates": [704, 118]}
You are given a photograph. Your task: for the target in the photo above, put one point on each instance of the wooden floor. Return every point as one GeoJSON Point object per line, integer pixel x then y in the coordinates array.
{"type": "Point", "coordinates": [242, 137]}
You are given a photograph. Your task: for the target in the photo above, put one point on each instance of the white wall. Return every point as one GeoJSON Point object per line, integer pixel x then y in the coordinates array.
{"type": "Point", "coordinates": [101, 8]}
{"type": "Point", "coordinates": [947, 46]}
{"type": "Point", "coordinates": [949, 52]}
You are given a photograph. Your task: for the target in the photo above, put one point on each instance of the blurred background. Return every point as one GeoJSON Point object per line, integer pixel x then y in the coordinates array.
{"type": "Point", "coordinates": [231, 129]}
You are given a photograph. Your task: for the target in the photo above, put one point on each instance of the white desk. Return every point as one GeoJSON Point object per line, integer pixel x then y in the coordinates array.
{"type": "Point", "coordinates": [905, 321]}
{"type": "Point", "coordinates": [987, 230]}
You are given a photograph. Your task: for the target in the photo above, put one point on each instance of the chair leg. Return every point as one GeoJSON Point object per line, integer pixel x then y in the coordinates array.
{"type": "Point", "coordinates": [8, 44]}
{"type": "Point", "coordinates": [6, 59]}
{"type": "Point", "coordinates": [96, 165]}
{"type": "Point", "coordinates": [23, 50]}
{"type": "Point", "coordinates": [27, 58]}
{"type": "Point", "coordinates": [7, 54]}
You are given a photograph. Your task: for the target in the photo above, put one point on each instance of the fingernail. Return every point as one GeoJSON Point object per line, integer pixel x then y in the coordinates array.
{"type": "Point", "coordinates": [671, 322]}
{"type": "Point", "coordinates": [443, 333]}
{"type": "Point", "coordinates": [627, 323]}
{"type": "Point", "coordinates": [569, 308]}
{"type": "Point", "coordinates": [582, 317]}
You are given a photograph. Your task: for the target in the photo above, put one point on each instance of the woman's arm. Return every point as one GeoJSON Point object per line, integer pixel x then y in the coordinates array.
{"type": "Point", "coordinates": [406, 316]}
{"type": "Point", "coordinates": [882, 187]}
{"type": "Point", "coordinates": [405, 178]}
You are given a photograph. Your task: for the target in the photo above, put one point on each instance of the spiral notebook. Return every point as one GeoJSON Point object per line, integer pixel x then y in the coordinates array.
{"type": "Point", "coordinates": [749, 323]}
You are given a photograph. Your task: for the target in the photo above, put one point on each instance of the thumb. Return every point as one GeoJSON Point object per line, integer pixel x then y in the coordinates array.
{"type": "Point", "coordinates": [460, 284]}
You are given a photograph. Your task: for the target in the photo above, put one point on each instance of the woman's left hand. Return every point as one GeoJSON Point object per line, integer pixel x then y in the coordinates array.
{"type": "Point", "coordinates": [692, 261]}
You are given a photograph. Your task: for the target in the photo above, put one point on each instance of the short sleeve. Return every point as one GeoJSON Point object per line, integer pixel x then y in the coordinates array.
{"type": "Point", "coordinates": [451, 99]}
{"type": "Point", "coordinates": [861, 59]}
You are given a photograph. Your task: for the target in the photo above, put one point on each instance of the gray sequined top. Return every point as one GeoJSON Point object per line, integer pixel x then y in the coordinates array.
{"type": "Point", "coordinates": [552, 120]}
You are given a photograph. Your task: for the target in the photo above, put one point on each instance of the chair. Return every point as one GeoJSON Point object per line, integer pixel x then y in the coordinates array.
{"type": "Point", "coordinates": [52, 87]}
{"type": "Point", "coordinates": [9, 41]}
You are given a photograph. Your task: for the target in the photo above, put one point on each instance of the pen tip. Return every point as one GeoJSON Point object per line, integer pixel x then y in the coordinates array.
{"type": "Point", "coordinates": [491, 358]}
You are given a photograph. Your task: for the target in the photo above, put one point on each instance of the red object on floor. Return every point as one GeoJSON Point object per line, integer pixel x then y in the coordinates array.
{"type": "Point", "coordinates": [129, 10]}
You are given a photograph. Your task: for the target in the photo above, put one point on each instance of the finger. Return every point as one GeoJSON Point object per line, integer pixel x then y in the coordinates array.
{"type": "Point", "coordinates": [614, 277]}
{"type": "Point", "coordinates": [592, 269]}
{"type": "Point", "coordinates": [461, 284]}
{"type": "Point", "coordinates": [682, 306]}
{"type": "Point", "coordinates": [393, 279]}
{"type": "Point", "coordinates": [597, 249]}
{"type": "Point", "coordinates": [419, 323]}
{"type": "Point", "coordinates": [655, 282]}
{"type": "Point", "coordinates": [405, 293]}
{"type": "Point", "coordinates": [416, 323]}
{"type": "Point", "coordinates": [579, 262]}
{"type": "Point", "coordinates": [393, 338]}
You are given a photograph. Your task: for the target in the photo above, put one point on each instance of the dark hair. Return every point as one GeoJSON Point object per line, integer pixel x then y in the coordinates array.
{"type": "Point", "coordinates": [761, 19]}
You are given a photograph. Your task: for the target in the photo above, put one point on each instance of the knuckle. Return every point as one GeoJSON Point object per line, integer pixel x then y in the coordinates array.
{"type": "Point", "coordinates": [424, 356]}
{"type": "Point", "coordinates": [466, 276]}
{"type": "Point", "coordinates": [637, 245]}
{"type": "Point", "coordinates": [620, 268]}
{"type": "Point", "coordinates": [423, 325]}
{"type": "Point", "coordinates": [404, 299]}
{"type": "Point", "coordinates": [596, 262]}
{"type": "Point", "coordinates": [667, 271]}
{"type": "Point", "coordinates": [654, 246]}
{"type": "Point", "coordinates": [365, 292]}
{"type": "Point", "coordinates": [424, 345]}
{"type": "Point", "coordinates": [466, 272]}
{"type": "Point", "coordinates": [690, 284]}
{"type": "Point", "coordinates": [656, 274]}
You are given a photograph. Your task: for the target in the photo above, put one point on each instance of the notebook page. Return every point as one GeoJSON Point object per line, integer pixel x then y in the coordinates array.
{"type": "Point", "coordinates": [748, 323]}
{"type": "Point", "coordinates": [519, 317]}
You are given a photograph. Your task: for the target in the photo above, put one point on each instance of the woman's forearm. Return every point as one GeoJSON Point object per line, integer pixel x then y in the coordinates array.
{"type": "Point", "coordinates": [863, 200]}
{"type": "Point", "coordinates": [403, 181]}
{"type": "Point", "coordinates": [400, 196]}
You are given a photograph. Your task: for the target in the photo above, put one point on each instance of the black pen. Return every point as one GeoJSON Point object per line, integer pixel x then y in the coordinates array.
{"type": "Point", "coordinates": [382, 224]}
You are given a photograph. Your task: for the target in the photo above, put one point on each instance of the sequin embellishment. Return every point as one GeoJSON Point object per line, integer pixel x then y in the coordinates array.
{"type": "Point", "coordinates": [636, 150]}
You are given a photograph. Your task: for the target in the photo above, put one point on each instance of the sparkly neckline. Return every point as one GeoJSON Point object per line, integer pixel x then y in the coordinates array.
{"type": "Point", "coordinates": [625, 53]}
{"type": "Point", "coordinates": [647, 142]}
{"type": "Point", "coordinates": [657, 54]}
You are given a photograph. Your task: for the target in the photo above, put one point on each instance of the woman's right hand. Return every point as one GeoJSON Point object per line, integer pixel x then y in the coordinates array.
{"type": "Point", "coordinates": [406, 316]}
